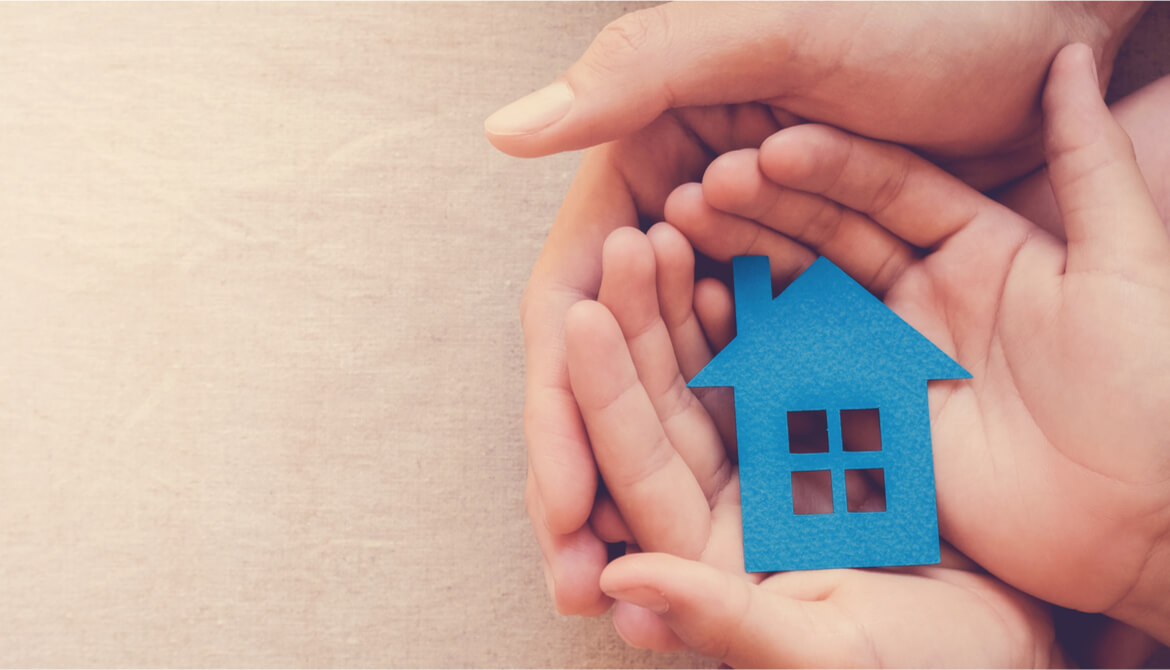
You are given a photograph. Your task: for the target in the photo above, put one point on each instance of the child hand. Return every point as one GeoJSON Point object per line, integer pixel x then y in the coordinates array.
{"type": "Point", "coordinates": [1051, 464]}
{"type": "Point", "coordinates": [677, 490]}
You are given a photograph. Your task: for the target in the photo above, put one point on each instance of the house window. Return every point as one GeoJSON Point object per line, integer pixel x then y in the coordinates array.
{"type": "Point", "coordinates": [865, 490]}
{"type": "Point", "coordinates": [861, 430]}
{"type": "Point", "coordinates": [808, 432]}
{"type": "Point", "coordinates": [812, 492]}
{"type": "Point", "coordinates": [825, 460]}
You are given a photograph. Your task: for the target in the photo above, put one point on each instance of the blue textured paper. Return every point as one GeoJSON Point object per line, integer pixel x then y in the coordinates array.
{"type": "Point", "coordinates": [826, 343]}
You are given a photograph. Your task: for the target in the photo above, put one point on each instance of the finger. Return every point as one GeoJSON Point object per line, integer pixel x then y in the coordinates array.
{"type": "Point", "coordinates": [653, 487]}
{"type": "Point", "coordinates": [726, 616]}
{"type": "Point", "coordinates": [722, 128]}
{"type": "Point", "coordinates": [1110, 219]}
{"type": "Point", "coordinates": [558, 449]}
{"type": "Point", "coordinates": [607, 522]}
{"type": "Point", "coordinates": [629, 291]}
{"type": "Point", "coordinates": [723, 236]}
{"type": "Point", "coordinates": [713, 308]}
{"type": "Point", "coordinates": [648, 61]}
{"type": "Point", "coordinates": [1141, 115]}
{"type": "Point", "coordinates": [567, 271]}
{"type": "Point", "coordinates": [674, 262]}
{"type": "Point", "coordinates": [644, 629]}
{"type": "Point", "coordinates": [866, 251]}
{"type": "Point", "coordinates": [572, 562]}
{"type": "Point", "coordinates": [907, 195]}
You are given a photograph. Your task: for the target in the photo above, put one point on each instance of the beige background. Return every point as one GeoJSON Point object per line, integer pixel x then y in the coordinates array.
{"type": "Point", "coordinates": [262, 369]}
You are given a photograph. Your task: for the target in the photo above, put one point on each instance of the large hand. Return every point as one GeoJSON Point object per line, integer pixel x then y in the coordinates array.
{"type": "Point", "coordinates": [851, 66]}
{"type": "Point", "coordinates": [1052, 467]}
{"type": "Point", "coordinates": [920, 75]}
{"type": "Point", "coordinates": [666, 467]}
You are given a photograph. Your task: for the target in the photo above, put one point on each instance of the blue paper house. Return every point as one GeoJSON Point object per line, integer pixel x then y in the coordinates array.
{"type": "Point", "coordinates": [821, 356]}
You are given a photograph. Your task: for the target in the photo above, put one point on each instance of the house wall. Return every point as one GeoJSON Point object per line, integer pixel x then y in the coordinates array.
{"type": "Point", "coordinates": [906, 533]}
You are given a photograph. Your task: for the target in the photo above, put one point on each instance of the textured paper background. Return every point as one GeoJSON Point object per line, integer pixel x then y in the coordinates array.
{"type": "Point", "coordinates": [259, 276]}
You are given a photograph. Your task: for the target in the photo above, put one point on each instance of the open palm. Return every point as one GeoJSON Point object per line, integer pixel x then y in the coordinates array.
{"type": "Point", "coordinates": [1051, 463]}
{"type": "Point", "coordinates": [677, 491]}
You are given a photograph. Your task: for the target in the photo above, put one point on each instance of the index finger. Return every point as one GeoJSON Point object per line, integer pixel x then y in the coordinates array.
{"type": "Point", "coordinates": [652, 485]}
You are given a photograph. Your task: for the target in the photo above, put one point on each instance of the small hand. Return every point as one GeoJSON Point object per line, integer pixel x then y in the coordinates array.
{"type": "Point", "coordinates": [1051, 466]}
{"type": "Point", "coordinates": [618, 184]}
{"type": "Point", "coordinates": [667, 469]}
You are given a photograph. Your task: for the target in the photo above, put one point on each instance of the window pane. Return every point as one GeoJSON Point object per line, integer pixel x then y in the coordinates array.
{"type": "Point", "coordinates": [808, 432]}
{"type": "Point", "coordinates": [865, 490]}
{"type": "Point", "coordinates": [812, 492]}
{"type": "Point", "coordinates": [861, 430]}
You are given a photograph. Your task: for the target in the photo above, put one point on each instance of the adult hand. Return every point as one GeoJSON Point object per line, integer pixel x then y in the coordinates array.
{"type": "Point", "coordinates": [667, 469]}
{"type": "Point", "coordinates": [958, 83]}
{"type": "Point", "coordinates": [663, 83]}
{"type": "Point", "coordinates": [1051, 465]}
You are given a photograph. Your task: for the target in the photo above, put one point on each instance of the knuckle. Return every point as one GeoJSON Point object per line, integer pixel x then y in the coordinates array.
{"type": "Point", "coordinates": [886, 273]}
{"type": "Point", "coordinates": [625, 40]}
{"type": "Point", "coordinates": [678, 399]}
{"type": "Point", "coordinates": [629, 477]}
{"type": "Point", "coordinates": [824, 226]}
{"type": "Point", "coordinates": [1120, 143]}
{"type": "Point", "coordinates": [891, 186]}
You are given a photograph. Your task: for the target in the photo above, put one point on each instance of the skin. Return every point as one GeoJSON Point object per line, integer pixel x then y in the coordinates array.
{"type": "Point", "coordinates": [661, 92]}
{"type": "Point", "coordinates": [664, 462]}
{"type": "Point", "coordinates": [1051, 467]}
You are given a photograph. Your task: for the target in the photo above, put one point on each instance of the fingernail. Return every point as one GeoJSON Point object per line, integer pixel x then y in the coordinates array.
{"type": "Point", "coordinates": [643, 597]}
{"type": "Point", "coordinates": [535, 111]}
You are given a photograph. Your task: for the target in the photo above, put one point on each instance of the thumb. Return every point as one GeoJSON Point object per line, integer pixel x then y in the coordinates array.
{"type": "Point", "coordinates": [729, 618]}
{"type": "Point", "coordinates": [1110, 219]}
{"type": "Point", "coordinates": [644, 63]}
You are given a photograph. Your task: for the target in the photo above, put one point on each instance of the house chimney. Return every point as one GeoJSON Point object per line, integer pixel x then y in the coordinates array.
{"type": "Point", "coordinates": [753, 290]}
